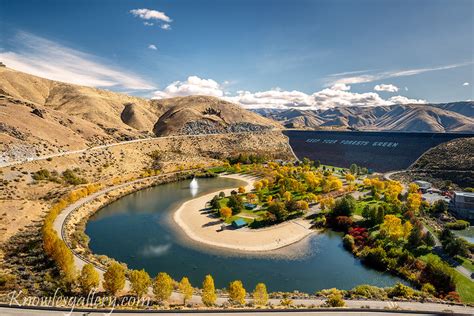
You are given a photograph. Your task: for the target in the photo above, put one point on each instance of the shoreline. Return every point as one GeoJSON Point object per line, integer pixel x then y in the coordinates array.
{"type": "Point", "coordinates": [205, 230]}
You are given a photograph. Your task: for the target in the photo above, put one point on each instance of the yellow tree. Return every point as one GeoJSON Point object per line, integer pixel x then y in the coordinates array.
{"type": "Point", "coordinates": [225, 212]}
{"type": "Point", "coordinates": [287, 195]}
{"type": "Point", "coordinates": [327, 203]}
{"type": "Point", "coordinates": [241, 189]}
{"type": "Point", "coordinates": [236, 292]}
{"type": "Point", "coordinates": [302, 205]}
{"type": "Point", "coordinates": [392, 191]}
{"type": "Point", "coordinates": [311, 197]}
{"type": "Point", "coordinates": [140, 281]}
{"type": "Point", "coordinates": [114, 278]}
{"type": "Point", "coordinates": [350, 178]}
{"type": "Point", "coordinates": [407, 227]}
{"type": "Point", "coordinates": [414, 202]}
{"type": "Point", "coordinates": [257, 185]}
{"type": "Point", "coordinates": [392, 227]}
{"type": "Point", "coordinates": [208, 295]}
{"type": "Point", "coordinates": [89, 278]}
{"type": "Point", "coordinates": [186, 289]}
{"type": "Point", "coordinates": [260, 295]}
{"type": "Point", "coordinates": [413, 188]}
{"type": "Point", "coordinates": [162, 286]}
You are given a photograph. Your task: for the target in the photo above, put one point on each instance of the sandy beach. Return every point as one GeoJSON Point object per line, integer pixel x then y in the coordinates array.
{"type": "Point", "coordinates": [207, 230]}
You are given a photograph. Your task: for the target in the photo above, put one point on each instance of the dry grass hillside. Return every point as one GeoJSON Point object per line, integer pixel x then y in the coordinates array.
{"type": "Point", "coordinates": [207, 115]}
{"type": "Point", "coordinates": [40, 116]}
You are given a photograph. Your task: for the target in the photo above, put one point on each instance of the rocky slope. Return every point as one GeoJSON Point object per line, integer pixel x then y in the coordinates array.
{"type": "Point", "coordinates": [448, 117]}
{"type": "Point", "coordinates": [451, 161]}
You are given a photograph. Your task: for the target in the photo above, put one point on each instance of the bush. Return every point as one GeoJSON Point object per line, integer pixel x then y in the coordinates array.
{"type": "Point", "coordinates": [369, 291]}
{"type": "Point", "coordinates": [343, 223]}
{"type": "Point", "coordinates": [348, 242]}
{"type": "Point", "coordinates": [401, 290]}
{"type": "Point", "coordinates": [458, 225]}
{"type": "Point", "coordinates": [428, 288]}
{"type": "Point", "coordinates": [375, 257]}
{"type": "Point", "coordinates": [335, 299]}
{"type": "Point", "coordinates": [71, 178]}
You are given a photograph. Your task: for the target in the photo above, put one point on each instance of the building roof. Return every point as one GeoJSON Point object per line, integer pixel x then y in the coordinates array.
{"type": "Point", "coordinates": [239, 222]}
{"type": "Point", "coordinates": [463, 193]}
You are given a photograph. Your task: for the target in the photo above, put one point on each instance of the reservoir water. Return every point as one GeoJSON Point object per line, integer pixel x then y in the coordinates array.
{"type": "Point", "coordinates": [139, 230]}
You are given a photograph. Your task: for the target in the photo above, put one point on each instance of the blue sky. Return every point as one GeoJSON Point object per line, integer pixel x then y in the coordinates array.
{"type": "Point", "coordinates": [257, 53]}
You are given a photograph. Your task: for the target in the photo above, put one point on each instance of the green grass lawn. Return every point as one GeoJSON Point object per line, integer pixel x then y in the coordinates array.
{"type": "Point", "coordinates": [360, 205]}
{"type": "Point", "coordinates": [466, 263]}
{"type": "Point", "coordinates": [464, 287]}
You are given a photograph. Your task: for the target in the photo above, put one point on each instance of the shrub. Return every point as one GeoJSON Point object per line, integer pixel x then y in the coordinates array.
{"type": "Point", "coordinates": [458, 225]}
{"type": "Point", "coordinates": [401, 290]}
{"type": "Point", "coordinates": [343, 223]}
{"type": "Point", "coordinates": [348, 242]}
{"type": "Point", "coordinates": [369, 291]}
{"type": "Point", "coordinates": [335, 299]}
{"type": "Point", "coordinates": [428, 288]}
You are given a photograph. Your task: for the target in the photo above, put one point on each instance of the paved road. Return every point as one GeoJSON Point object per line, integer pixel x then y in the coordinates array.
{"type": "Point", "coordinates": [439, 310]}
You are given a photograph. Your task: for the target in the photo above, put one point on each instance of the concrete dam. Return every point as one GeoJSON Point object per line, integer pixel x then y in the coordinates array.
{"type": "Point", "coordinates": [378, 151]}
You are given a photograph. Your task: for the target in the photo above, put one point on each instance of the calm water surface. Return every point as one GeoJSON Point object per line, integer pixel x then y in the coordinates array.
{"type": "Point", "coordinates": [139, 230]}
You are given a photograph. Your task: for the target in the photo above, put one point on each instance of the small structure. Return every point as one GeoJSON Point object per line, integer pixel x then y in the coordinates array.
{"type": "Point", "coordinates": [2, 64]}
{"type": "Point", "coordinates": [250, 206]}
{"type": "Point", "coordinates": [424, 185]}
{"type": "Point", "coordinates": [239, 223]}
{"type": "Point", "coordinates": [462, 205]}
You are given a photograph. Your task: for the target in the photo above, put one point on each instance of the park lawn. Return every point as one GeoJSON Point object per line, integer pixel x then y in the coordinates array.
{"type": "Point", "coordinates": [465, 262]}
{"type": "Point", "coordinates": [218, 169]}
{"type": "Point", "coordinates": [360, 205]}
{"type": "Point", "coordinates": [223, 201]}
{"type": "Point", "coordinates": [464, 287]}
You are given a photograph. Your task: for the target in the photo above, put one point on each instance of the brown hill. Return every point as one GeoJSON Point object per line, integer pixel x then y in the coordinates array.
{"type": "Point", "coordinates": [54, 116]}
{"type": "Point", "coordinates": [449, 117]}
{"type": "Point", "coordinates": [207, 115]}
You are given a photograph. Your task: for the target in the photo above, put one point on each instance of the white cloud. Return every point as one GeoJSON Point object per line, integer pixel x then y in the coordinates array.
{"type": "Point", "coordinates": [386, 88]}
{"type": "Point", "coordinates": [153, 47]}
{"type": "Point", "coordinates": [465, 84]}
{"type": "Point", "coordinates": [148, 23]}
{"type": "Point", "coordinates": [398, 99]}
{"type": "Point", "coordinates": [341, 87]}
{"type": "Point", "coordinates": [406, 88]}
{"type": "Point", "coordinates": [166, 27]}
{"type": "Point", "coordinates": [147, 14]}
{"type": "Point", "coordinates": [338, 95]}
{"type": "Point", "coordinates": [192, 86]}
{"type": "Point", "coordinates": [387, 74]}
{"type": "Point", "coordinates": [44, 58]}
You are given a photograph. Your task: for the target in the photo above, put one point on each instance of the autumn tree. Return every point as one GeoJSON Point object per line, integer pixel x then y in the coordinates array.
{"type": "Point", "coordinates": [114, 278]}
{"type": "Point", "coordinates": [393, 228]}
{"type": "Point", "coordinates": [257, 185]}
{"type": "Point", "coordinates": [287, 196]}
{"type": "Point", "coordinates": [162, 286]}
{"type": "Point", "coordinates": [89, 278]}
{"type": "Point", "coordinates": [236, 292]}
{"type": "Point", "coordinates": [278, 209]}
{"type": "Point", "coordinates": [350, 177]}
{"type": "Point", "coordinates": [140, 281]}
{"type": "Point", "coordinates": [208, 295]}
{"type": "Point", "coordinates": [413, 188]}
{"type": "Point", "coordinates": [260, 295]}
{"type": "Point", "coordinates": [241, 189]}
{"type": "Point", "coordinates": [186, 289]}
{"type": "Point", "coordinates": [413, 202]}
{"type": "Point", "coordinates": [225, 212]}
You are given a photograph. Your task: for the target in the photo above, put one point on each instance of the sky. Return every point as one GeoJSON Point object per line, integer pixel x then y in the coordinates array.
{"type": "Point", "coordinates": [309, 54]}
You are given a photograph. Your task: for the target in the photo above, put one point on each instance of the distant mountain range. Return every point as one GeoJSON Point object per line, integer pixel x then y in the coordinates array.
{"type": "Point", "coordinates": [444, 117]}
